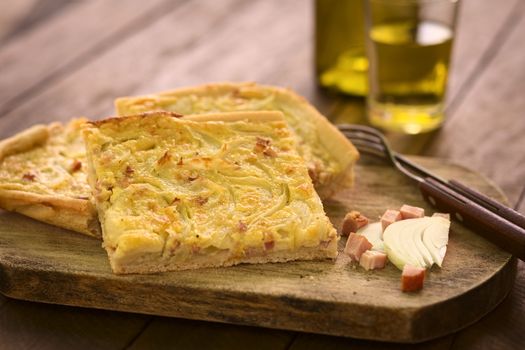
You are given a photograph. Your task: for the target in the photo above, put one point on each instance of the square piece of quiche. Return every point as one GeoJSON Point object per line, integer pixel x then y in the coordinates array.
{"type": "Point", "coordinates": [210, 190]}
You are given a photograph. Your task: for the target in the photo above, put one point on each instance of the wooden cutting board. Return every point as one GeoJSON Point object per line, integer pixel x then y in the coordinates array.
{"type": "Point", "coordinates": [43, 263]}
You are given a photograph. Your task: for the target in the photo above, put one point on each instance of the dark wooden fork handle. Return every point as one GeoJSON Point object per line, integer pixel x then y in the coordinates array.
{"type": "Point", "coordinates": [498, 208]}
{"type": "Point", "coordinates": [484, 222]}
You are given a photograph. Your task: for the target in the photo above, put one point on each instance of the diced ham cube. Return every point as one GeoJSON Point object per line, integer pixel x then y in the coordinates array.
{"type": "Point", "coordinates": [442, 215]}
{"type": "Point", "coordinates": [372, 260]}
{"type": "Point", "coordinates": [356, 245]}
{"type": "Point", "coordinates": [412, 278]}
{"type": "Point", "coordinates": [389, 217]}
{"type": "Point", "coordinates": [352, 222]}
{"type": "Point", "coordinates": [410, 212]}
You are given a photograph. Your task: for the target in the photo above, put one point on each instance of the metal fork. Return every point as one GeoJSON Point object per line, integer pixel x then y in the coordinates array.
{"type": "Point", "coordinates": [500, 224]}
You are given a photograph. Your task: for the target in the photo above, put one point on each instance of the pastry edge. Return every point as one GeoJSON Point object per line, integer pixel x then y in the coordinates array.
{"type": "Point", "coordinates": [74, 214]}
{"type": "Point", "coordinates": [154, 262]}
{"type": "Point", "coordinates": [227, 117]}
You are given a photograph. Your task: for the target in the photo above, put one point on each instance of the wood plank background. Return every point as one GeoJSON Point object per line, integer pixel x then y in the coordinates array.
{"type": "Point", "coordinates": [62, 58]}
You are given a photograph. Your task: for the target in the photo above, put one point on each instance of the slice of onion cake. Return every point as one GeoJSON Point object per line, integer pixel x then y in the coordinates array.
{"type": "Point", "coordinates": [213, 190]}
{"type": "Point", "coordinates": [42, 175]}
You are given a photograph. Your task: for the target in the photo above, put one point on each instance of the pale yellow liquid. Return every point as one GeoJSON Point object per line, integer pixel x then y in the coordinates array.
{"type": "Point", "coordinates": [409, 75]}
{"type": "Point", "coordinates": [348, 74]}
{"type": "Point", "coordinates": [340, 55]}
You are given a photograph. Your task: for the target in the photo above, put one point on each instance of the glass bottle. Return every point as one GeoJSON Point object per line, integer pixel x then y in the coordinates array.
{"type": "Point", "coordinates": [340, 56]}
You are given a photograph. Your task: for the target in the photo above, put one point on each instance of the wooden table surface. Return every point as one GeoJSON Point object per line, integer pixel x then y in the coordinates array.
{"type": "Point", "coordinates": [62, 58]}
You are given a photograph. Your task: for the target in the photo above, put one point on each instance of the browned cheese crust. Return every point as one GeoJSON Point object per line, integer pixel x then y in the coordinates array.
{"type": "Point", "coordinates": [329, 155]}
{"type": "Point", "coordinates": [208, 190]}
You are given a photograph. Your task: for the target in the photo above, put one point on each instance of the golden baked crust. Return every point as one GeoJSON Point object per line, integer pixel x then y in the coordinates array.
{"type": "Point", "coordinates": [217, 190]}
{"type": "Point", "coordinates": [41, 176]}
{"type": "Point", "coordinates": [329, 155]}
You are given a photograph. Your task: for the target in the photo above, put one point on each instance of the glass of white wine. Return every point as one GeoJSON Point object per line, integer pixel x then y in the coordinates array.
{"type": "Point", "coordinates": [408, 45]}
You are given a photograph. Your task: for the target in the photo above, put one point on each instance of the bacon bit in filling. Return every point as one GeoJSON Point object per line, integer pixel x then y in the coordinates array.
{"type": "Point", "coordinates": [29, 177]}
{"type": "Point", "coordinates": [195, 249]}
{"type": "Point", "coordinates": [193, 177]}
{"type": "Point", "coordinates": [174, 246]}
{"type": "Point", "coordinates": [175, 200]}
{"type": "Point", "coordinates": [269, 245]}
{"type": "Point", "coordinates": [252, 251]}
{"type": "Point", "coordinates": [325, 244]}
{"type": "Point", "coordinates": [269, 241]}
{"type": "Point", "coordinates": [236, 93]}
{"type": "Point", "coordinates": [270, 152]}
{"type": "Point", "coordinates": [180, 162]}
{"type": "Point", "coordinates": [261, 144]}
{"type": "Point", "coordinates": [75, 166]}
{"type": "Point", "coordinates": [264, 146]}
{"type": "Point", "coordinates": [166, 157]}
{"type": "Point", "coordinates": [129, 171]}
{"type": "Point", "coordinates": [242, 226]}
{"type": "Point", "coordinates": [352, 222]}
{"type": "Point", "coordinates": [201, 200]}
{"type": "Point", "coordinates": [152, 206]}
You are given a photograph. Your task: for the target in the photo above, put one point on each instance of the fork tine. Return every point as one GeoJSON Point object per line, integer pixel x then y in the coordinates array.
{"type": "Point", "coordinates": [361, 134]}
{"type": "Point", "coordinates": [368, 149]}
{"type": "Point", "coordinates": [369, 140]}
{"type": "Point", "coordinates": [366, 145]}
{"type": "Point", "coordinates": [361, 128]}
{"type": "Point", "coordinates": [363, 137]}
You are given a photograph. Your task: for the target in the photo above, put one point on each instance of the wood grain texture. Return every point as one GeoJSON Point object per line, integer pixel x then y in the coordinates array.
{"type": "Point", "coordinates": [57, 44]}
{"type": "Point", "coordinates": [171, 333]}
{"type": "Point", "coordinates": [12, 17]}
{"type": "Point", "coordinates": [504, 327]}
{"type": "Point", "coordinates": [27, 325]}
{"type": "Point", "coordinates": [23, 15]}
{"type": "Point", "coordinates": [322, 297]}
{"type": "Point", "coordinates": [171, 53]}
{"type": "Point", "coordinates": [495, 151]}
{"type": "Point", "coordinates": [323, 342]}
{"type": "Point", "coordinates": [482, 25]}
